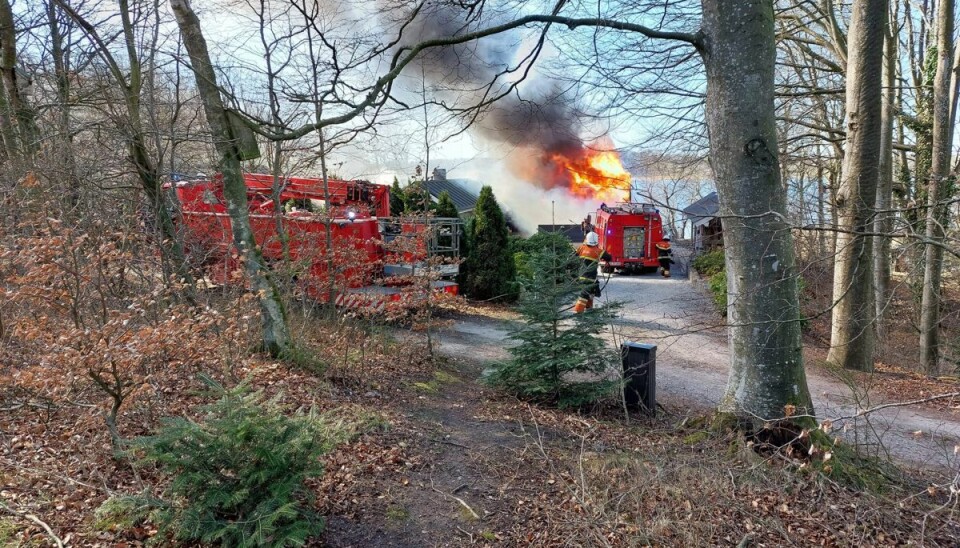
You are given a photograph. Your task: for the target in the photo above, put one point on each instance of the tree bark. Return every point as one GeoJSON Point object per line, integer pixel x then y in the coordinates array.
{"type": "Point", "coordinates": [937, 190]}
{"type": "Point", "coordinates": [147, 173]}
{"type": "Point", "coordinates": [330, 305]}
{"type": "Point", "coordinates": [8, 134]}
{"type": "Point", "coordinates": [852, 335]}
{"type": "Point", "coordinates": [821, 211]}
{"type": "Point", "coordinates": [276, 334]}
{"type": "Point", "coordinates": [883, 221]}
{"type": "Point", "coordinates": [766, 363]}
{"type": "Point", "coordinates": [20, 112]}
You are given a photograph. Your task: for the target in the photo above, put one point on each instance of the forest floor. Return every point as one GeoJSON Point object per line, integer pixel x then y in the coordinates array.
{"type": "Point", "coordinates": [443, 460]}
{"type": "Point", "coordinates": [693, 363]}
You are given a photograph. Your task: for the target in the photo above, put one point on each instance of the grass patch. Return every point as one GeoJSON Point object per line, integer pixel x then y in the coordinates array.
{"type": "Point", "coordinates": [397, 513]}
{"type": "Point", "coordinates": [810, 451]}
{"type": "Point", "coordinates": [119, 513]}
{"type": "Point", "coordinates": [302, 356]}
{"type": "Point", "coordinates": [842, 464]}
{"type": "Point", "coordinates": [426, 387]}
{"type": "Point", "coordinates": [696, 437]}
{"type": "Point", "coordinates": [346, 424]}
{"type": "Point", "coordinates": [8, 531]}
{"type": "Point", "coordinates": [439, 379]}
{"type": "Point", "coordinates": [442, 377]}
{"type": "Point", "coordinates": [465, 514]}
{"type": "Point", "coordinates": [712, 266]}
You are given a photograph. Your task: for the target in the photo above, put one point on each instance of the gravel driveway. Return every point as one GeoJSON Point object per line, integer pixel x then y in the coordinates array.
{"type": "Point", "coordinates": [693, 362]}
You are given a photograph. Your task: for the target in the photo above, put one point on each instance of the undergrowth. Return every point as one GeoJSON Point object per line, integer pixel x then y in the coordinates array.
{"type": "Point", "coordinates": [707, 482]}
{"type": "Point", "coordinates": [237, 476]}
{"type": "Point", "coordinates": [713, 268]}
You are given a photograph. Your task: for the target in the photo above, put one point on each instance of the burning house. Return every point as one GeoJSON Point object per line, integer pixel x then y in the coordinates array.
{"type": "Point", "coordinates": [462, 192]}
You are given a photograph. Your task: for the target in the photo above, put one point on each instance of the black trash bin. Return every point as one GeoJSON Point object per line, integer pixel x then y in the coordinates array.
{"type": "Point", "coordinates": [640, 376]}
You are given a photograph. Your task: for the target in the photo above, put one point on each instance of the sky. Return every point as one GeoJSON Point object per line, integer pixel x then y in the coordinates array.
{"type": "Point", "coordinates": [395, 148]}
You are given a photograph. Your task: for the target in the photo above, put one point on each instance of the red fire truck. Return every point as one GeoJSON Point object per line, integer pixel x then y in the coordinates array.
{"type": "Point", "coordinates": [367, 274]}
{"type": "Point", "coordinates": [629, 232]}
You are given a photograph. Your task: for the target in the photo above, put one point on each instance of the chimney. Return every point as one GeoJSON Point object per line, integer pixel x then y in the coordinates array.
{"type": "Point", "coordinates": [439, 174]}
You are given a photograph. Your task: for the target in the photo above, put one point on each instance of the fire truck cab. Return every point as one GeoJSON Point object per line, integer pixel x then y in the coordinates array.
{"type": "Point", "coordinates": [629, 232]}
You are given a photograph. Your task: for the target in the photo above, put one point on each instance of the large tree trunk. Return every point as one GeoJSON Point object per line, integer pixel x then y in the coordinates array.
{"type": "Point", "coordinates": [937, 188]}
{"type": "Point", "coordinates": [276, 335]}
{"type": "Point", "coordinates": [20, 113]}
{"type": "Point", "coordinates": [883, 222]}
{"type": "Point", "coordinates": [766, 363]}
{"type": "Point", "coordinates": [852, 336]}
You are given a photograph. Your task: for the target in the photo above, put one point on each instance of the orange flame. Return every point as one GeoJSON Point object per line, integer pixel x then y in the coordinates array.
{"type": "Point", "coordinates": [596, 174]}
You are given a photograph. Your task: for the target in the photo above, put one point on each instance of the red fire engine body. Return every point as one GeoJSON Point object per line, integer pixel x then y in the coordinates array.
{"type": "Point", "coordinates": [358, 216]}
{"type": "Point", "coordinates": [629, 232]}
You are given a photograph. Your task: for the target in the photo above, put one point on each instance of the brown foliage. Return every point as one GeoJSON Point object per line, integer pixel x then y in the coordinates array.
{"type": "Point", "coordinates": [85, 305]}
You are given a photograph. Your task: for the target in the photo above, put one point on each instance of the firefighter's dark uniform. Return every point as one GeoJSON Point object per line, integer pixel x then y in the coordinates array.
{"type": "Point", "coordinates": [590, 257]}
{"type": "Point", "coordinates": [665, 257]}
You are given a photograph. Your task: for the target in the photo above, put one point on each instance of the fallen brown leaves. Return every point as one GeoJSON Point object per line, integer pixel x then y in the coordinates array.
{"type": "Point", "coordinates": [441, 459]}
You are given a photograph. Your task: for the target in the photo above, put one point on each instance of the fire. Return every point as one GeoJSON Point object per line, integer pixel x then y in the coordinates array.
{"type": "Point", "coordinates": [595, 174]}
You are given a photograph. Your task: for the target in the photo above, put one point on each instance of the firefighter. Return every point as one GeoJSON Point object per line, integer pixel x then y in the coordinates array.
{"type": "Point", "coordinates": [590, 256]}
{"type": "Point", "coordinates": [586, 226]}
{"type": "Point", "coordinates": [665, 256]}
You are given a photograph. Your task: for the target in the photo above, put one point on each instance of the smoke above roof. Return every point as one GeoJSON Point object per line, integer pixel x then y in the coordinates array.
{"type": "Point", "coordinates": [537, 118]}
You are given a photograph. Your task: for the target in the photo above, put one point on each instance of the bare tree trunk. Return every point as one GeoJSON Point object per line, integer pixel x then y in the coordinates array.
{"type": "Point", "coordinates": [834, 216]}
{"type": "Point", "coordinates": [821, 211]}
{"type": "Point", "coordinates": [766, 363]}
{"type": "Point", "coordinates": [7, 132]}
{"type": "Point", "coordinates": [20, 113]}
{"type": "Point", "coordinates": [64, 138]}
{"type": "Point", "coordinates": [330, 305]}
{"type": "Point", "coordinates": [883, 222]}
{"type": "Point", "coordinates": [276, 334]}
{"type": "Point", "coordinates": [852, 336]}
{"type": "Point", "coordinates": [937, 191]}
{"type": "Point", "coordinates": [170, 244]}
{"type": "Point", "coordinates": [277, 146]}
{"type": "Point", "coordinates": [954, 91]}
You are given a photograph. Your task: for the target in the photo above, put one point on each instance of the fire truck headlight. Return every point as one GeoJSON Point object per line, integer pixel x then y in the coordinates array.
{"type": "Point", "coordinates": [351, 215]}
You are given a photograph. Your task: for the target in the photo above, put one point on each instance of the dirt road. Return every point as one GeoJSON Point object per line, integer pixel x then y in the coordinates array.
{"type": "Point", "coordinates": [692, 367]}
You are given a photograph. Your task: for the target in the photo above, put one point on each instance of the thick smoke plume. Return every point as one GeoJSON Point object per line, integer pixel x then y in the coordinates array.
{"type": "Point", "coordinates": [537, 120]}
{"type": "Point", "coordinates": [541, 129]}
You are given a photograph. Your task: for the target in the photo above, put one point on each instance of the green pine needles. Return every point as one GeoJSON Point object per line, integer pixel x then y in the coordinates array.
{"type": "Point", "coordinates": [560, 358]}
{"type": "Point", "coordinates": [238, 476]}
{"type": "Point", "coordinates": [489, 270]}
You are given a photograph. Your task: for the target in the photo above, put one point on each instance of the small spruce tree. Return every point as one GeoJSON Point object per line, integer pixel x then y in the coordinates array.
{"type": "Point", "coordinates": [397, 205]}
{"type": "Point", "coordinates": [238, 476]}
{"type": "Point", "coordinates": [445, 206]}
{"type": "Point", "coordinates": [555, 344]}
{"type": "Point", "coordinates": [416, 198]}
{"type": "Point", "coordinates": [490, 270]}
{"type": "Point", "coordinates": [523, 248]}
